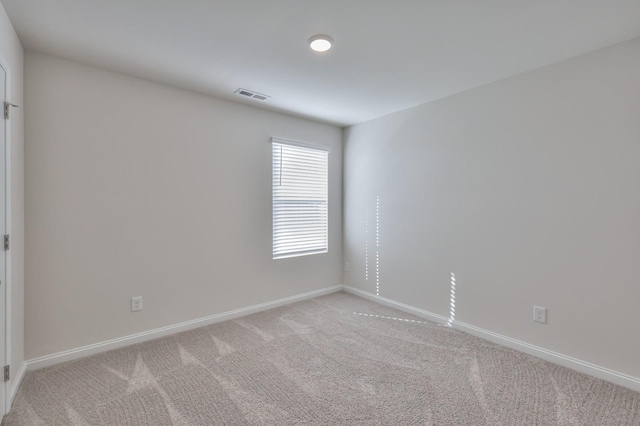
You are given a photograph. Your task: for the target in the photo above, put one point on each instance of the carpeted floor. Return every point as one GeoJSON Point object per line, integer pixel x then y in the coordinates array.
{"type": "Point", "coordinates": [333, 360]}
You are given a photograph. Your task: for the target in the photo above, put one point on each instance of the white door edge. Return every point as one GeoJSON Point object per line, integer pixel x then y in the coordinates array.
{"type": "Point", "coordinates": [6, 357]}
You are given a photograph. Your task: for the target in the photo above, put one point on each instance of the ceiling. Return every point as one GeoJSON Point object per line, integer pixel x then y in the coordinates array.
{"type": "Point", "coordinates": [388, 55]}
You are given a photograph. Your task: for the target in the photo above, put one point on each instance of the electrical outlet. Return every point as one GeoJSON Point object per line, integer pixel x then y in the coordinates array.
{"type": "Point", "coordinates": [136, 303]}
{"type": "Point", "coordinates": [346, 266]}
{"type": "Point", "coordinates": [540, 314]}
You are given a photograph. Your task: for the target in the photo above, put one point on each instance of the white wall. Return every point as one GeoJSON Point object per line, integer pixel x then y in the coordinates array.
{"type": "Point", "coordinates": [528, 190]}
{"type": "Point", "coordinates": [11, 51]}
{"type": "Point", "coordinates": [138, 189]}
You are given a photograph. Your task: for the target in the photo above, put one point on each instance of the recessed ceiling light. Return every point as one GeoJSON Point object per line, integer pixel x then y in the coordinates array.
{"type": "Point", "coordinates": [320, 43]}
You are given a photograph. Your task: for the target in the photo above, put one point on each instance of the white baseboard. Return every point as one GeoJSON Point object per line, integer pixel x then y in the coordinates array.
{"type": "Point", "coordinates": [603, 373]}
{"type": "Point", "coordinates": [57, 358]}
{"type": "Point", "coordinates": [609, 375]}
{"type": "Point", "coordinates": [15, 383]}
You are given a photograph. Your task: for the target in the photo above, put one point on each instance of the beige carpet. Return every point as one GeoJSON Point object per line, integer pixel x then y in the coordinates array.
{"type": "Point", "coordinates": [333, 360]}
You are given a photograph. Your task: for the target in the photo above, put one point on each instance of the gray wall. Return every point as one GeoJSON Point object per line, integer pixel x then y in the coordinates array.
{"type": "Point", "coordinates": [11, 51]}
{"type": "Point", "coordinates": [139, 189]}
{"type": "Point", "coordinates": [528, 190]}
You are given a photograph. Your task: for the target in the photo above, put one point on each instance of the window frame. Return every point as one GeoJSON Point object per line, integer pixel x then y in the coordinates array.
{"type": "Point", "coordinates": [283, 254]}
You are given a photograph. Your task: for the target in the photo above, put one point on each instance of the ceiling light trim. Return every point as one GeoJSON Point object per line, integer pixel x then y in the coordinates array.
{"type": "Point", "coordinates": [320, 42]}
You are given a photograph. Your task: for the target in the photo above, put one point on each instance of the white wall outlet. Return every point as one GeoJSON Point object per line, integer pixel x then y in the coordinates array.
{"type": "Point", "coordinates": [136, 303]}
{"type": "Point", "coordinates": [540, 314]}
{"type": "Point", "coordinates": [346, 266]}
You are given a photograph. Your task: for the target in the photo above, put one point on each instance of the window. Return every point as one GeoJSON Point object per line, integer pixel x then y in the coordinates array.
{"type": "Point", "coordinates": [300, 220]}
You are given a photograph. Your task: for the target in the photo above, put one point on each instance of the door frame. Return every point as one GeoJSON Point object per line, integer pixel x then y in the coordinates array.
{"type": "Point", "coordinates": [7, 253]}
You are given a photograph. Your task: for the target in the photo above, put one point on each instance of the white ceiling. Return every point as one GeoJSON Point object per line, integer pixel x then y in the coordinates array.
{"type": "Point", "coordinates": [388, 54]}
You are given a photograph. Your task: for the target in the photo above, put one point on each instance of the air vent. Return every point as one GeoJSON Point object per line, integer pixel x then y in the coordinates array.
{"type": "Point", "coordinates": [251, 94]}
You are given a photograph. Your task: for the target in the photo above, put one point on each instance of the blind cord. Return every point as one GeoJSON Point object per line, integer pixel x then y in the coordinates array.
{"type": "Point", "coordinates": [280, 184]}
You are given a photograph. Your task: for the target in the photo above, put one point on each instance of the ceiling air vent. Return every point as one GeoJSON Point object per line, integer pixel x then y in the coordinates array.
{"type": "Point", "coordinates": [249, 94]}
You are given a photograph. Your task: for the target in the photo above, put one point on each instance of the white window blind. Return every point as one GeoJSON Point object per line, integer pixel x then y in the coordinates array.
{"type": "Point", "coordinates": [300, 180]}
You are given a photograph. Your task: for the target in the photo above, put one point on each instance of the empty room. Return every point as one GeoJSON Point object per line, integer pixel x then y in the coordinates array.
{"type": "Point", "coordinates": [333, 212]}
